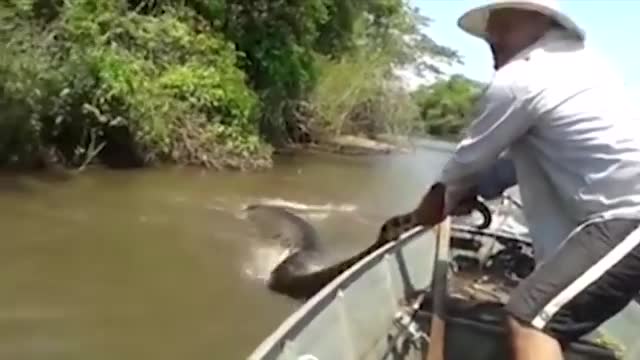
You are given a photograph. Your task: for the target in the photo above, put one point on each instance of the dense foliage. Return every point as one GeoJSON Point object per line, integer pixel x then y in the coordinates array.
{"type": "Point", "coordinates": [211, 82]}
{"type": "Point", "coordinates": [134, 87]}
{"type": "Point", "coordinates": [446, 105]}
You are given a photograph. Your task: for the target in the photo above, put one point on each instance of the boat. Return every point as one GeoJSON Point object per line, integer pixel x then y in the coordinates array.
{"type": "Point", "coordinates": [381, 308]}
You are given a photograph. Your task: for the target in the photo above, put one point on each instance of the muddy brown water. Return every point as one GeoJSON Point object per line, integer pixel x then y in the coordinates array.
{"type": "Point", "coordinates": [157, 264]}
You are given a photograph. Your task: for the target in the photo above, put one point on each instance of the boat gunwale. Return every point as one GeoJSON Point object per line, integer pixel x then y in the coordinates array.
{"type": "Point", "coordinates": [292, 325]}
{"type": "Point", "coordinates": [312, 307]}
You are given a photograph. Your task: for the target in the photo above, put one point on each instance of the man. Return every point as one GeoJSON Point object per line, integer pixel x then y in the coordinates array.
{"type": "Point", "coordinates": [557, 114]}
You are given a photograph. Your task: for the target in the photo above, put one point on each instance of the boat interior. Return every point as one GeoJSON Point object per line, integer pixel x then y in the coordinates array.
{"type": "Point", "coordinates": [478, 289]}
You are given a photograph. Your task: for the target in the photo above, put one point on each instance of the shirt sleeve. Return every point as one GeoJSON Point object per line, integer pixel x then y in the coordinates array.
{"type": "Point", "coordinates": [497, 178]}
{"type": "Point", "coordinates": [501, 118]}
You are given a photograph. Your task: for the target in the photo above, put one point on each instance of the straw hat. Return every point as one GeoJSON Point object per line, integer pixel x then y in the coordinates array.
{"type": "Point", "coordinates": [475, 20]}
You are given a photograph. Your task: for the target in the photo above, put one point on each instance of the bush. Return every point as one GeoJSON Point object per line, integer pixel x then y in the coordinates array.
{"type": "Point", "coordinates": [31, 79]}
{"type": "Point", "coordinates": [146, 87]}
{"type": "Point", "coordinates": [358, 95]}
{"type": "Point", "coordinates": [133, 82]}
{"type": "Point", "coordinates": [445, 106]}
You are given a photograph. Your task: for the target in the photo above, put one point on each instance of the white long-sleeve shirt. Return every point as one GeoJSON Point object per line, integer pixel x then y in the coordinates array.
{"type": "Point", "coordinates": [571, 131]}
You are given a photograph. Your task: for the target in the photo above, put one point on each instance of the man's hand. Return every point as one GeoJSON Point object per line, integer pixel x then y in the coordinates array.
{"type": "Point", "coordinates": [466, 205]}
{"type": "Point", "coordinates": [430, 211]}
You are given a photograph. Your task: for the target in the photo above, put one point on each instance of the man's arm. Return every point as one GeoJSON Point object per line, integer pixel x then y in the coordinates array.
{"type": "Point", "coordinates": [496, 179]}
{"type": "Point", "coordinates": [491, 184]}
{"type": "Point", "coordinates": [501, 119]}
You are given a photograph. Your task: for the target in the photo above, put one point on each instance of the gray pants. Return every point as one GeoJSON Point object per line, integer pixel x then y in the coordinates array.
{"type": "Point", "coordinates": [592, 276]}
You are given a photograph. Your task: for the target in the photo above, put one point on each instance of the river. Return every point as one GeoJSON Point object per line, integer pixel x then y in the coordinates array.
{"type": "Point", "coordinates": [158, 264]}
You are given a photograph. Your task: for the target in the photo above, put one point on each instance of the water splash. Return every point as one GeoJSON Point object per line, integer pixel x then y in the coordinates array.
{"type": "Point", "coordinates": [311, 212]}
{"type": "Point", "coordinates": [263, 259]}
{"type": "Point", "coordinates": [328, 207]}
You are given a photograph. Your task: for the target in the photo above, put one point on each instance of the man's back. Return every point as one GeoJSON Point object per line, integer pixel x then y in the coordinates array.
{"type": "Point", "coordinates": [583, 144]}
{"type": "Point", "coordinates": [571, 134]}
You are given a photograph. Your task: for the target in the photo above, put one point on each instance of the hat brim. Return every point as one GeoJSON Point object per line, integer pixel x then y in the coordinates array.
{"type": "Point", "coordinates": [475, 20]}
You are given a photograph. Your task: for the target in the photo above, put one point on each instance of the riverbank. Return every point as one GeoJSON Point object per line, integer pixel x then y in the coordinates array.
{"type": "Point", "coordinates": [349, 145]}
{"type": "Point", "coordinates": [127, 84]}
{"type": "Point", "coordinates": [53, 168]}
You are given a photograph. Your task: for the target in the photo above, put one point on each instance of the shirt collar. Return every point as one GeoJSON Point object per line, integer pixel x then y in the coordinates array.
{"type": "Point", "coordinates": [551, 37]}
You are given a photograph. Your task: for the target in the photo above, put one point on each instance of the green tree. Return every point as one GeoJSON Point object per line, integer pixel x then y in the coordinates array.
{"type": "Point", "coordinates": [446, 105]}
{"type": "Point", "coordinates": [139, 87]}
{"type": "Point", "coordinates": [394, 28]}
{"type": "Point", "coordinates": [201, 81]}
{"type": "Point", "coordinates": [357, 90]}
